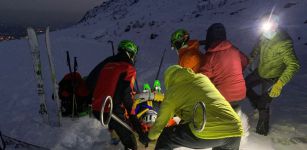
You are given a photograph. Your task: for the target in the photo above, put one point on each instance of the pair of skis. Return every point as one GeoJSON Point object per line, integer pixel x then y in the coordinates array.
{"type": "Point", "coordinates": [33, 41]}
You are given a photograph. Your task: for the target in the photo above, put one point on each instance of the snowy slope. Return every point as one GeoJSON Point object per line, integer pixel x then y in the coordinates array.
{"type": "Point", "coordinates": [149, 23]}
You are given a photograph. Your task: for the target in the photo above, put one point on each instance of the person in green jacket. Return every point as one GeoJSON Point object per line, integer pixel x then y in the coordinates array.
{"type": "Point", "coordinates": [277, 64]}
{"type": "Point", "coordinates": [184, 89]}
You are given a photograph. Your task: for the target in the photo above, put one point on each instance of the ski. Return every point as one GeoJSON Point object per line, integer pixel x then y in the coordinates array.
{"type": "Point", "coordinates": [13, 143]}
{"type": "Point", "coordinates": [55, 85]}
{"type": "Point", "coordinates": [38, 73]}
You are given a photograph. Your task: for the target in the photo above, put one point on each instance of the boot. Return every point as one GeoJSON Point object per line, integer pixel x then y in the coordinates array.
{"type": "Point", "coordinates": [263, 122]}
{"type": "Point", "coordinates": [114, 138]}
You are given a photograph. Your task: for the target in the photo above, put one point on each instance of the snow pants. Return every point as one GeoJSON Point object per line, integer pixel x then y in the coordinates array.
{"type": "Point", "coordinates": [260, 101]}
{"type": "Point", "coordinates": [181, 136]}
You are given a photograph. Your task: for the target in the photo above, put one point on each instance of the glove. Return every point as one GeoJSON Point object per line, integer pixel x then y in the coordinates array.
{"type": "Point", "coordinates": [158, 97]}
{"type": "Point", "coordinates": [276, 89]}
{"type": "Point", "coordinates": [143, 138]}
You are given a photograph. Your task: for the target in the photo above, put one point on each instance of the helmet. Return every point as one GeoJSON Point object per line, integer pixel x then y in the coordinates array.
{"type": "Point", "coordinates": [128, 46]}
{"type": "Point", "coordinates": [179, 38]}
{"type": "Point", "coordinates": [146, 87]}
{"type": "Point", "coordinates": [157, 86]}
{"type": "Point", "coordinates": [150, 117]}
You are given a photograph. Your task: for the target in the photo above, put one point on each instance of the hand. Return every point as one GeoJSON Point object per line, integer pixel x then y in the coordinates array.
{"type": "Point", "coordinates": [276, 89]}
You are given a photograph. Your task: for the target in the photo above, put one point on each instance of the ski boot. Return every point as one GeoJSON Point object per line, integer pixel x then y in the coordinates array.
{"type": "Point", "coordinates": [263, 122]}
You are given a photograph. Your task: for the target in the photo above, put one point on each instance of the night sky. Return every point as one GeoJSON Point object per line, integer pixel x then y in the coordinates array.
{"type": "Point", "coordinates": [44, 12]}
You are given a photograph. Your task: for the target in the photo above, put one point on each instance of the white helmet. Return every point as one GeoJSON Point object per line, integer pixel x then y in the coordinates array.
{"type": "Point", "coordinates": [150, 117]}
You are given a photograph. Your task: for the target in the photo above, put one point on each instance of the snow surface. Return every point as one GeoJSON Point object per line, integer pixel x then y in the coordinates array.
{"type": "Point", "coordinates": [19, 102]}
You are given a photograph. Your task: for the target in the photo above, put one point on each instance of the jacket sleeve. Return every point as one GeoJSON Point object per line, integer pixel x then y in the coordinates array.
{"type": "Point", "coordinates": [127, 98]}
{"type": "Point", "coordinates": [290, 60]}
{"type": "Point", "coordinates": [166, 112]}
{"type": "Point", "coordinates": [127, 88]}
{"type": "Point", "coordinates": [244, 60]}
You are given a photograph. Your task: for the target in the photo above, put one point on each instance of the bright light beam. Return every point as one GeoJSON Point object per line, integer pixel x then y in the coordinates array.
{"type": "Point", "coordinates": [267, 26]}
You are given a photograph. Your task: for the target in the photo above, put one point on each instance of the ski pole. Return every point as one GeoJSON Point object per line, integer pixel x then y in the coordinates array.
{"type": "Point", "coordinates": [68, 61]}
{"type": "Point", "coordinates": [75, 106]}
{"type": "Point", "coordinates": [161, 61]}
{"type": "Point", "coordinates": [137, 85]}
{"type": "Point", "coordinates": [75, 64]}
{"type": "Point", "coordinates": [111, 42]}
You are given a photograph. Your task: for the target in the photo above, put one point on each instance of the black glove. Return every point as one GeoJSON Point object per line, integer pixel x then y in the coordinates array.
{"type": "Point", "coordinates": [143, 138]}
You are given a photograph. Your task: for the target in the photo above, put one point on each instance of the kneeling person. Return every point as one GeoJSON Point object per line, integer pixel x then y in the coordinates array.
{"type": "Point", "coordinates": [223, 129]}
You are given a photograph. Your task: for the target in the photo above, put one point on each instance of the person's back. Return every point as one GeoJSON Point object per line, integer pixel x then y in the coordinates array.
{"type": "Point", "coordinates": [111, 77]}
{"type": "Point", "coordinates": [189, 57]}
{"type": "Point", "coordinates": [91, 79]}
{"type": "Point", "coordinates": [223, 64]}
{"type": "Point", "coordinates": [222, 122]}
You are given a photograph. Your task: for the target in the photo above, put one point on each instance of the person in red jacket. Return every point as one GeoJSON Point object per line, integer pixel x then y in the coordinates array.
{"type": "Point", "coordinates": [223, 63]}
{"type": "Point", "coordinates": [115, 77]}
{"type": "Point", "coordinates": [188, 50]}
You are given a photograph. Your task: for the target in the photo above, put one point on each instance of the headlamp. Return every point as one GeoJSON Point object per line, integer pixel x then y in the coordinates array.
{"type": "Point", "coordinates": [267, 26]}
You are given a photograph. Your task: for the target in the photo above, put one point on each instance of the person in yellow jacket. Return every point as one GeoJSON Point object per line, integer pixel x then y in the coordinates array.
{"type": "Point", "coordinates": [184, 88]}
{"type": "Point", "coordinates": [277, 65]}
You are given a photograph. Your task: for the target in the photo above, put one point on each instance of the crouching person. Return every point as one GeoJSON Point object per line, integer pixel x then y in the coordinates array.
{"type": "Point", "coordinates": [115, 77]}
{"type": "Point", "coordinates": [184, 88]}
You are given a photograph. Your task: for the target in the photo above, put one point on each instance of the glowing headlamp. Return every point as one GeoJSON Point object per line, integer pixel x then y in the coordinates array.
{"type": "Point", "coordinates": [270, 23]}
{"type": "Point", "coordinates": [267, 26]}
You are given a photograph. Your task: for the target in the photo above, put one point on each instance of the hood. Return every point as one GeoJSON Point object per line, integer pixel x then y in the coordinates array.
{"type": "Point", "coordinates": [220, 46]}
{"type": "Point", "coordinates": [215, 33]}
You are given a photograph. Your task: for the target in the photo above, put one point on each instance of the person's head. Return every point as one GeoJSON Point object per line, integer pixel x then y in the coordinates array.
{"type": "Point", "coordinates": [179, 39]}
{"type": "Point", "coordinates": [215, 33]}
{"type": "Point", "coordinates": [269, 26]}
{"type": "Point", "coordinates": [128, 47]}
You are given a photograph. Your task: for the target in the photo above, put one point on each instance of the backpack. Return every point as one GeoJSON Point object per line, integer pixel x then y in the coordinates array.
{"type": "Point", "coordinates": [72, 85]}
